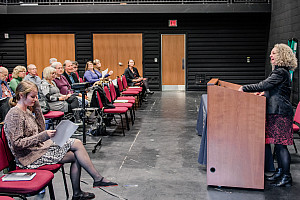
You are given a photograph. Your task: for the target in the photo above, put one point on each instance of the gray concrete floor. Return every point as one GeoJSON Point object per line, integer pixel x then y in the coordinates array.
{"type": "Point", "coordinates": [157, 159]}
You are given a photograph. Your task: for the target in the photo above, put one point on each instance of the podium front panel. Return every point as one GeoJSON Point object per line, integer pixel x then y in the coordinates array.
{"type": "Point", "coordinates": [235, 138]}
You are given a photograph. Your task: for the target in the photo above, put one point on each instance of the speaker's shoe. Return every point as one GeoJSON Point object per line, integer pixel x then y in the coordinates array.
{"type": "Point", "coordinates": [284, 181]}
{"type": "Point", "coordinates": [276, 175]}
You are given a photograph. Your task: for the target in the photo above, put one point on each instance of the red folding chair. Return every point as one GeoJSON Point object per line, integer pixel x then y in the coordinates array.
{"type": "Point", "coordinates": [22, 189]}
{"type": "Point", "coordinates": [125, 85]}
{"type": "Point", "coordinates": [52, 168]}
{"type": "Point", "coordinates": [54, 116]}
{"type": "Point", "coordinates": [129, 92]}
{"type": "Point", "coordinates": [5, 198]}
{"type": "Point", "coordinates": [122, 104]}
{"type": "Point", "coordinates": [116, 110]}
{"type": "Point", "coordinates": [114, 94]}
{"type": "Point", "coordinates": [296, 124]}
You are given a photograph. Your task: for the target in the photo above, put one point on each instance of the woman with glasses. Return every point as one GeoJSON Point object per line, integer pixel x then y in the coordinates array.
{"type": "Point", "coordinates": [56, 100]}
{"type": "Point", "coordinates": [18, 75]}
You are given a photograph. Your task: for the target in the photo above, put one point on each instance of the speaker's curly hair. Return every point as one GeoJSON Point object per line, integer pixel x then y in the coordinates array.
{"type": "Point", "coordinates": [285, 57]}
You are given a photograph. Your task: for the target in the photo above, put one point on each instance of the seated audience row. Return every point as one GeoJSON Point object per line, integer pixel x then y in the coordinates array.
{"type": "Point", "coordinates": [56, 85]}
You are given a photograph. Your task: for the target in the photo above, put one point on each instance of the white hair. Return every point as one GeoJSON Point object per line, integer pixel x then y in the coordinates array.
{"type": "Point", "coordinates": [55, 64]}
{"type": "Point", "coordinates": [52, 60]}
{"type": "Point", "coordinates": [30, 65]}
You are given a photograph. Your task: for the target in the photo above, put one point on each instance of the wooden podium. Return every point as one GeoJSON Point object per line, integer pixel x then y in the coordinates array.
{"type": "Point", "coordinates": [235, 136]}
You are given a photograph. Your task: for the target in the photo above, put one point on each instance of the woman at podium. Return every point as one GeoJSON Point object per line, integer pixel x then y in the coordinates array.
{"type": "Point", "coordinates": [279, 120]}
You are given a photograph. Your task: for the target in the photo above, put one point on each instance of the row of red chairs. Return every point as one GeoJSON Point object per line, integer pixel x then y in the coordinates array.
{"type": "Point", "coordinates": [125, 102]}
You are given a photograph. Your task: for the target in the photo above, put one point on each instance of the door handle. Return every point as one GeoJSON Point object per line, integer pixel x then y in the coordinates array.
{"type": "Point", "coordinates": [182, 63]}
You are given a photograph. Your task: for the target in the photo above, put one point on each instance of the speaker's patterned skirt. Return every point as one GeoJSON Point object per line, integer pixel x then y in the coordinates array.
{"type": "Point", "coordinates": [279, 129]}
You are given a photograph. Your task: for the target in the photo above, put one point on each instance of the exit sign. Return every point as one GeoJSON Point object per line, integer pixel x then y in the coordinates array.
{"type": "Point", "coordinates": [173, 23]}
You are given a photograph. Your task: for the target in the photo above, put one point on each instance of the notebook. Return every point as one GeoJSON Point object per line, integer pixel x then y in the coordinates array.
{"type": "Point", "coordinates": [19, 176]}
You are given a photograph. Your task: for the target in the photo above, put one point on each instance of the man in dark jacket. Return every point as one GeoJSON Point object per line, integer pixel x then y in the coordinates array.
{"type": "Point", "coordinates": [69, 72]}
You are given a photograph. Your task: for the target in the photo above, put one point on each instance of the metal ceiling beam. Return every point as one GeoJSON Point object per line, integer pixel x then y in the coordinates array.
{"type": "Point", "coordinates": [141, 8]}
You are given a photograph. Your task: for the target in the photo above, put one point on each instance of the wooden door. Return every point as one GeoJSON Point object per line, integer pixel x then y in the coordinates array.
{"type": "Point", "coordinates": [114, 51]}
{"type": "Point", "coordinates": [173, 48]}
{"type": "Point", "coordinates": [42, 47]}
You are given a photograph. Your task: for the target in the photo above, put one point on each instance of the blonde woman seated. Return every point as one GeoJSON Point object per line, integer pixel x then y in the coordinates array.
{"type": "Point", "coordinates": [18, 75]}
{"type": "Point", "coordinates": [56, 100]}
{"type": "Point", "coordinates": [32, 146]}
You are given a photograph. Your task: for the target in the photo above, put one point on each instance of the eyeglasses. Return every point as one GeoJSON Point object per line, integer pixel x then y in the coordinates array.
{"type": "Point", "coordinates": [5, 75]}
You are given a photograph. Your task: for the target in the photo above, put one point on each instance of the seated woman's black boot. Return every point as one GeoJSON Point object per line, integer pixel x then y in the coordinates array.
{"type": "Point", "coordinates": [284, 181]}
{"type": "Point", "coordinates": [276, 175]}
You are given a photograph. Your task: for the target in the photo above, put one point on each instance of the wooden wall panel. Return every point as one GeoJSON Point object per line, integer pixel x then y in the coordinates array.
{"type": "Point", "coordinates": [130, 47]}
{"type": "Point", "coordinates": [113, 49]}
{"type": "Point", "coordinates": [38, 51]}
{"type": "Point", "coordinates": [106, 50]}
{"type": "Point", "coordinates": [42, 47]}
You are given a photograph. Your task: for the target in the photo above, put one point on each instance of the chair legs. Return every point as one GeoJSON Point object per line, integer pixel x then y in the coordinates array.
{"type": "Point", "coordinates": [295, 146]}
{"type": "Point", "coordinates": [127, 121]}
{"type": "Point", "coordinates": [51, 191]}
{"type": "Point", "coordinates": [122, 125]}
{"type": "Point", "coordinates": [131, 116]}
{"type": "Point", "coordinates": [65, 181]}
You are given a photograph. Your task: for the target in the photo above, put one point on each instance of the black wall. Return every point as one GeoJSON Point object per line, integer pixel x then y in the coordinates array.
{"type": "Point", "coordinates": [285, 24]}
{"type": "Point", "coordinates": [217, 45]}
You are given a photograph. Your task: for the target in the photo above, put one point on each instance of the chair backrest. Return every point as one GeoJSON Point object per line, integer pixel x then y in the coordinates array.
{"type": "Point", "coordinates": [3, 153]}
{"type": "Point", "coordinates": [120, 84]}
{"type": "Point", "coordinates": [297, 114]}
{"type": "Point", "coordinates": [3, 158]}
{"type": "Point", "coordinates": [107, 93]}
{"type": "Point", "coordinates": [112, 91]}
{"type": "Point", "coordinates": [99, 100]}
{"type": "Point", "coordinates": [9, 155]}
{"type": "Point", "coordinates": [124, 82]}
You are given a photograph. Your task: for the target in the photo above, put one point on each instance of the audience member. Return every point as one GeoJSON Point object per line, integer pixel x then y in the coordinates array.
{"type": "Point", "coordinates": [279, 119]}
{"type": "Point", "coordinates": [18, 75]}
{"type": "Point", "coordinates": [5, 90]}
{"type": "Point", "coordinates": [32, 146]}
{"type": "Point", "coordinates": [69, 72]}
{"type": "Point", "coordinates": [91, 75]}
{"type": "Point", "coordinates": [75, 68]}
{"type": "Point", "coordinates": [133, 77]}
{"type": "Point", "coordinates": [56, 100]}
{"type": "Point", "coordinates": [61, 81]}
{"type": "Point", "coordinates": [63, 84]}
{"type": "Point", "coordinates": [32, 75]}
{"type": "Point", "coordinates": [52, 60]}
{"type": "Point", "coordinates": [97, 66]}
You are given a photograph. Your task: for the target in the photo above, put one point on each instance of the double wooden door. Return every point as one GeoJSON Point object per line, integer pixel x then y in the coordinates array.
{"type": "Point", "coordinates": [114, 51]}
{"type": "Point", "coordinates": [41, 47]}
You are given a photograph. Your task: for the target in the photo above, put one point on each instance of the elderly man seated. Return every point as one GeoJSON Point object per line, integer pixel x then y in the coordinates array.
{"type": "Point", "coordinates": [5, 90]}
{"type": "Point", "coordinates": [32, 75]}
{"type": "Point", "coordinates": [5, 93]}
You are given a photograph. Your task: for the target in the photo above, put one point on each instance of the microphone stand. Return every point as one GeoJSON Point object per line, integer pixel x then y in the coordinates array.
{"type": "Point", "coordinates": [83, 114]}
